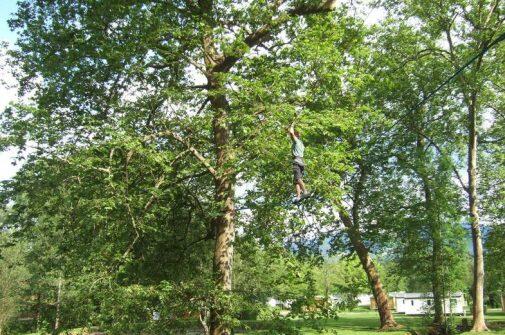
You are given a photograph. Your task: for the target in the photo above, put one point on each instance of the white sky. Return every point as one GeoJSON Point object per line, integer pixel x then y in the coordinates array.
{"type": "Point", "coordinates": [7, 170]}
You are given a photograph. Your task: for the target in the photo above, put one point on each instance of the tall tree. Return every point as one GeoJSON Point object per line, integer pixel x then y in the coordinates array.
{"type": "Point", "coordinates": [131, 67]}
{"type": "Point", "coordinates": [431, 242]}
{"type": "Point", "coordinates": [336, 120]}
{"type": "Point", "coordinates": [463, 29]}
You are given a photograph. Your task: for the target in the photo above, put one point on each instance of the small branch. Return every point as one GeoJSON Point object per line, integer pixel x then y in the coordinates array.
{"type": "Point", "coordinates": [153, 197]}
{"type": "Point", "coordinates": [194, 87]}
{"type": "Point", "coordinates": [191, 149]}
{"type": "Point", "coordinates": [134, 224]}
{"type": "Point", "coordinates": [491, 12]}
{"type": "Point", "coordinates": [440, 151]}
{"type": "Point", "coordinates": [198, 66]}
{"type": "Point", "coordinates": [205, 102]}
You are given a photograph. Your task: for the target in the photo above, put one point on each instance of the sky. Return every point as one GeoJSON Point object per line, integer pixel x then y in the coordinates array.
{"type": "Point", "coordinates": [7, 7]}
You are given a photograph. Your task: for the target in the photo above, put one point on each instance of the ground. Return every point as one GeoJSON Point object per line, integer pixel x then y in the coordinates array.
{"type": "Point", "coordinates": [362, 322]}
{"type": "Point", "coordinates": [366, 323]}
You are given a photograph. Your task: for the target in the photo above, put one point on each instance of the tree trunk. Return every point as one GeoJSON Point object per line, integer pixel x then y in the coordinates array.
{"type": "Point", "coordinates": [437, 280]}
{"type": "Point", "coordinates": [479, 323]}
{"type": "Point", "coordinates": [58, 308]}
{"type": "Point", "coordinates": [39, 312]}
{"type": "Point", "coordinates": [436, 256]}
{"type": "Point", "coordinates": [224, 179]}
{"type": "Point", "coordinates": [436, 233]}
{"type": "Point", "coordinates": [224, 192]}
{"type": "Point", "coordinates": [386, 317]}
{"type": "Point", "coordinates": [502, 301]}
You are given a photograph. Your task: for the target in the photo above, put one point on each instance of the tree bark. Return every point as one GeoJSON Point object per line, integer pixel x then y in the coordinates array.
{"type": "Point", "coordinates": [479, 323]}
{"type": "Point", "coordinates": [386, 317]}
{"type": "Point", "coordinates": [224, 192]}
{"type": "Point", "coordinates": [437, 279]}
{"type": "Point", "coordinates": [436, 256]}
{"type": "Point", "coordinates": [224, 179]}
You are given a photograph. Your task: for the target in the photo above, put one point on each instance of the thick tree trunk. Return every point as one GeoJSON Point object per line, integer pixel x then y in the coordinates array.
{"type": "Point", "coordinates": [224, 192]}
{"type": "Point", "coordinates": [224, 179]}
{"type": "Point", "coordinates": [479, 323]}
{"type": "Point", "coordinates": [223, 250]}
{"type": "Point", "coordinates": [386, 317]}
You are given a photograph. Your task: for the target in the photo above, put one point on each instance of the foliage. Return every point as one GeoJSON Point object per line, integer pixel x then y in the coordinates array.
{"type": "Point", "coordinates": [131, 137]}
{"type": "Point", "coordinates": [13, 279]}
{"type": "Point", "coordinates": [495, 259]}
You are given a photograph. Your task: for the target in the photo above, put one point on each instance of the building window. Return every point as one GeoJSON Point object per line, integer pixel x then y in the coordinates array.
{"type": "Point", "coordinates": [429, 302]}
{"type": "Point", "coordinates": [412, 302]}
{"type": "Point", "coordinates": [403, 301]}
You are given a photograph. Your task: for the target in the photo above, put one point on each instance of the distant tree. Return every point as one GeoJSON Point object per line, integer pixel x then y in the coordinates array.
{"type": "Point", "coordinates": [14, 277]}
{"type": "Point", "coordinates": [495, 258]}
{"type": "Point", "coordinates": [343, 277]}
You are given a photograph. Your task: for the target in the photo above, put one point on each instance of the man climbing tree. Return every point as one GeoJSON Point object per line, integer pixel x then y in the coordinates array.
{"type": "Point", "coordinates": [297, 149]}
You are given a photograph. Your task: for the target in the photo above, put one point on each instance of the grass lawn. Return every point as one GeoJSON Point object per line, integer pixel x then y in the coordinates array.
{"type": "Point", "coordinates": [366, 323]}
{"type": "Point", "coordinates": [362, 322]}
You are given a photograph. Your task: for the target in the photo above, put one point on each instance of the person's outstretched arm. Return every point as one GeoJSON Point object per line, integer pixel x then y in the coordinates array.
{"type": "Point", "coordinates": [291, 131]}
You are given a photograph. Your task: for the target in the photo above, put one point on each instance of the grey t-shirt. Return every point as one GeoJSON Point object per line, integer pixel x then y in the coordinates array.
{"type": "Point", "coordinates": [297, 149]}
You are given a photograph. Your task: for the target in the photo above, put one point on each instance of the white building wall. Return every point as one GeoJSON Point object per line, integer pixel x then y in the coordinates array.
{"type": "Point", "coordinates": [272, 302]}
{"type": "Point", "coordinates": [420, 306]}
{"type": "Point", "coordinates": [455, 306]}
{"type": "Point", "coordinates": [400, 305]}
{"type": "Point", "coordinates": [415, 306]}
{"type": "Point", "coordinates": [364, 300]}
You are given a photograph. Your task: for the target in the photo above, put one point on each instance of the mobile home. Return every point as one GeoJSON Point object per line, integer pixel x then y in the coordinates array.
{"type": "Point", "coordinates": [422, 303]}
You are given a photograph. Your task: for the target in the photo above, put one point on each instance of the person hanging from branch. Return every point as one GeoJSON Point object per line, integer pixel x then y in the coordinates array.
{"type": "Point", "coordinates": [297, 149]}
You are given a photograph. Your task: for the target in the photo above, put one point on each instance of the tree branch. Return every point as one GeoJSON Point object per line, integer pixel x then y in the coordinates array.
{"type": "Point", "coordinates": [188, 145]}
{"type": "Point", "coordinates": [440, 151]}
{"type": "Point", "coordinates": [323, 7]}
{"type": "Point", "coordinates": [226, 62]}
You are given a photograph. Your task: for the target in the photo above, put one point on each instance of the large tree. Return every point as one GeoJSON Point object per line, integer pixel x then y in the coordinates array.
{"type": "Point", "coordinates": [154, 72]}
{"type": "Point", "coordinates": [463, 29]}
{"type": "Point", "coordinates": [338, 124]}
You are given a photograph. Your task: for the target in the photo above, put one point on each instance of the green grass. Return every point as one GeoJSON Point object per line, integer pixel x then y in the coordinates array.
{"type": "Point", "coordinates": [360, 322]}
{"type": "Point", "coordinates": [367, 322]}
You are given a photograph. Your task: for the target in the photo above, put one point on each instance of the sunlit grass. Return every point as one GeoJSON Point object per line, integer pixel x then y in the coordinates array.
{"type": "Point", "coordinates": [367, 323]}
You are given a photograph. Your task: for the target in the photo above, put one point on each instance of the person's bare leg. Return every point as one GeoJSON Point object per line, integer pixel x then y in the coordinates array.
{"type": "Point", "coordinates": [302, 185]}
{"type": "Point", "coordinates": [298, 190]}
